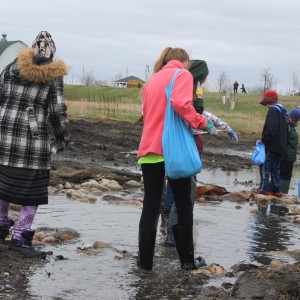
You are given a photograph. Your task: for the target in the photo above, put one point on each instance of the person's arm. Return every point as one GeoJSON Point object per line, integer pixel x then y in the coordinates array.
{"type": "Point", "coordinates": [217, 122]}
{"type": "Point", "coordinates": [182, 96]}
{"type": "Point", "coordinates": [221, 125]}
{"type": "Point", "coordinates": [57, 115]}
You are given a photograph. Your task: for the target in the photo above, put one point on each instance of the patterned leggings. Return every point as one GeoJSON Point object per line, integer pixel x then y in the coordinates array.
{"type": "Point", "coordinates": [26, 217]}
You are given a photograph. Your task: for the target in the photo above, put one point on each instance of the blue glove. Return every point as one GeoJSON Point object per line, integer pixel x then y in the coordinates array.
{"type": "Point", "coordinates": [233, 136]}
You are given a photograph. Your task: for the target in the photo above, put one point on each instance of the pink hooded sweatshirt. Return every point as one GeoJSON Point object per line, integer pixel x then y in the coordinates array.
{"type": "Point", "coordinates": [155, 102]}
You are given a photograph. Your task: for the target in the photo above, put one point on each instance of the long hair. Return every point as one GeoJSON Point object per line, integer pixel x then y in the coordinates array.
{"type": "Point", "coordinates": [169, 54]}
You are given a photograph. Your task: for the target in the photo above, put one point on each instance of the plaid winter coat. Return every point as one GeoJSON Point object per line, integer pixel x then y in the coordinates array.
{"type": "Point", "coordinates": [30, 95]}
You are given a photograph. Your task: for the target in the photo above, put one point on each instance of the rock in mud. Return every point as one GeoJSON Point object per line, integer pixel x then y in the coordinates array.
{"type": "Point", "coordinates": [58, 233]}
{"type": "Point", "coordinates": [132, 184]}
{"type": "Point", "coordinates": [212, 269]}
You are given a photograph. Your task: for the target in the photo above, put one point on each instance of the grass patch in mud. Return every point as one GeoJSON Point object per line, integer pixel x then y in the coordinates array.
{"type": "Point", "coordinates": [279, 272]}
{"type": "Point", "coordinates": [282, 283]}
{"type": "Point", "coordinates": [288, 279]}
{"type": "Point", "coordinates": [289, 291]}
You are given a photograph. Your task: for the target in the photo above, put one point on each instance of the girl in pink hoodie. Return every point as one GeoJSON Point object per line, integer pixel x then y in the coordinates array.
{"type": "Point", "coordinates": [151, 158]}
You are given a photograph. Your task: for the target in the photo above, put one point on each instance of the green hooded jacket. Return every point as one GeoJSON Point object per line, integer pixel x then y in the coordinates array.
{"type": "Point", "coordinates": [292, 143]}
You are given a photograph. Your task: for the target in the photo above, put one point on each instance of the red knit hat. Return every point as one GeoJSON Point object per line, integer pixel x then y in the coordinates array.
{"type": "Point", "coordinates": [270, 98]}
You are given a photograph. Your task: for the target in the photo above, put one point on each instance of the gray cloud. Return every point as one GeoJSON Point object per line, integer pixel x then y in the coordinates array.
{"type": "Point", "coordinates": [122, 37]}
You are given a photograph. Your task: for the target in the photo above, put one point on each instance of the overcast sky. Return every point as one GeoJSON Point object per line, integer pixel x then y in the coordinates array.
{"type": "Point", "coordinates": [115, 37]}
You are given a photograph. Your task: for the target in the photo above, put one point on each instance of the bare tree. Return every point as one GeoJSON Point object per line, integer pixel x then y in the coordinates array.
{"type": "Point", "coordinates": [221, 81]}
{"type": "Point", "coordinates": [267, 79]}
{"type": "Point", "coordinates": [296, 82]}
{"type": "Point", "coordinates": [255, 90]}
{"type": "Point", "coordinates": [88, 78]}
{"type": "Point", "coordinates": [116, 78]}
{"type": "Point", "coordinates": [100, 82]}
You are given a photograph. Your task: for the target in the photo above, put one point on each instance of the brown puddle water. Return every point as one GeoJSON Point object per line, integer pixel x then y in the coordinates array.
{"type": "Point", "coordinates": [226, 236]}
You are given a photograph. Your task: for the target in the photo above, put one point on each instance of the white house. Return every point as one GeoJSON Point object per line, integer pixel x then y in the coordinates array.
{"type": "Point", "coordinates": [9, 51]}
{"type": "Point", "coordinates": [130, 81]}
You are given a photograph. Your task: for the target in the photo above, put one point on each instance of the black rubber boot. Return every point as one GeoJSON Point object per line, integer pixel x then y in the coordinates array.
{"type": "Point", "coordinates": [146, 248]}
{"type": "Point", "coordinates": [4, 230]}
{"type": "Point", "coordinates": [183, 236]}
{"type": "Point", "coordinates": [285, 185]}
{"type": "Point", "coordinates": [25, 247]}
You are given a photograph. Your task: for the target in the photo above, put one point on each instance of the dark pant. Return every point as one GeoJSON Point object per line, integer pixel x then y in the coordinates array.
{"type": "Point", "coordinates": [286, 169]}
{"type": "Point", "coordinates": [261, 174]}
{"type": "Point", "coordinates": [169, 200]}
{"type": "Point", "coordinates": [154, 176]}
{"type": "Point", "coordinates": [271, 171]}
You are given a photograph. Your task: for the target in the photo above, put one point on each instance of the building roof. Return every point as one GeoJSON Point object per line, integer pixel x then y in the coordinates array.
{"type": "Point", "coordinates": [127, 79]}
{"type": "Point", "coordinates": [6, 44]}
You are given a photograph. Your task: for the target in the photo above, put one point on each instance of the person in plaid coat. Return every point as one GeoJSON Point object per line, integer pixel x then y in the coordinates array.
{"type": "Point", "coordinates": [31, 99]}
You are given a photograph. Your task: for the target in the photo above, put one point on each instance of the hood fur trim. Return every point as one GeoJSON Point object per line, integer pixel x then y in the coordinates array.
{"type": "Point", "coordinates": [39, 73]}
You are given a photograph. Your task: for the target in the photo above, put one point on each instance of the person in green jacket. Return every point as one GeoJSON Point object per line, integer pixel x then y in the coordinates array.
{"type": "Point", "coordinates": [290, 156]}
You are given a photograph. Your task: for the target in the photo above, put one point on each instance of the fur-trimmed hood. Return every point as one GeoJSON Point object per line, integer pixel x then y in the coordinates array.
{"type": "Point", "coordinates": [39, 73]}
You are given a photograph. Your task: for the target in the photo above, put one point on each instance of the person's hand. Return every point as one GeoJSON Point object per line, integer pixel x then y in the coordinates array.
{"type": "Point", "coordinates": [212, 131]}
{"type": "Point", "coordinates": [57, 146]}
{"type": "Point", "coordinates": [233, 136]}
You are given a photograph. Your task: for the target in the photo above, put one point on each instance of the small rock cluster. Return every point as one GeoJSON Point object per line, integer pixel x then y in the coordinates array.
{"type": "Point", "coordinates": [93, 190]}
{"type": "Point", "coordinates": [48, 235]}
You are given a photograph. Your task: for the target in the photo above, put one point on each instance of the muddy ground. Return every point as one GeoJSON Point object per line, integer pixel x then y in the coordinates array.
{"type": "Point", "coordinates": [96, 147]}
{"type": "Point", "coordinates": [111, 143]}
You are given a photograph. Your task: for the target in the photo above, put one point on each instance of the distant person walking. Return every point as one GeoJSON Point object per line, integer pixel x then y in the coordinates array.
{"type": "Point", "coordinates": [243, 89]}
{"type": "Point", "coordinates": [31, 92]}
{"type": "Point", "coordinates": [235, 87]}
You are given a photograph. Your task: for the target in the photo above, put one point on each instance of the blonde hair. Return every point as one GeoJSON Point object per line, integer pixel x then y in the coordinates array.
{"type": "Point", "coordinates": [169, 54]}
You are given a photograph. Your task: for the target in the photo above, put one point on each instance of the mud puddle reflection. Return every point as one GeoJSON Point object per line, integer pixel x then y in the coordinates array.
{"type": "Point", "coordinates": [227, 234]}
{"type": "Point", "coordinates": [80, 276]}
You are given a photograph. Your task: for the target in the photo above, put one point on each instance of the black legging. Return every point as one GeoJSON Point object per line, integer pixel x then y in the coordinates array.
{"type": "Point", "coordinates": [154, 176]}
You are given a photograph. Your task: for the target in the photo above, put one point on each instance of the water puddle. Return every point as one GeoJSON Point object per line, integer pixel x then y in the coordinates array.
{"type": "Point", "coordinates": [227, 234]}
{"type": "Point", "coordinates": [216, 150]}
{"type": "Point", "coordinates": [231, 180]}
{"type": "Point", "coordinates": [95, 277]}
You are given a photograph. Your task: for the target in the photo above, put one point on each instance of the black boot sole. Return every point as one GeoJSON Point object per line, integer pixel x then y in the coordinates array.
{"type": "Point", "coordinates": [27, 252]}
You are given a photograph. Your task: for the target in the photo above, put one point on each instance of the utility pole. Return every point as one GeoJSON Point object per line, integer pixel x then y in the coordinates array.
{"type": "Point", "coordinates": [147, 71]}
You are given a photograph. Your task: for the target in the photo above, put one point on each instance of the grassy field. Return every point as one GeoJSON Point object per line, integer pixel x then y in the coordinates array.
{"type": "Point", "coordinates": [246, 116]}
{"type": "Point", "coordinates": [103, 102]}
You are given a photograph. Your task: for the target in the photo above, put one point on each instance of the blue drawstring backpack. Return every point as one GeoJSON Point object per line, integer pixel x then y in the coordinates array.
{"type": "Point", "coordinates": [259, 154]}
{"type": "Point", "coordinates": [180, 153]}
